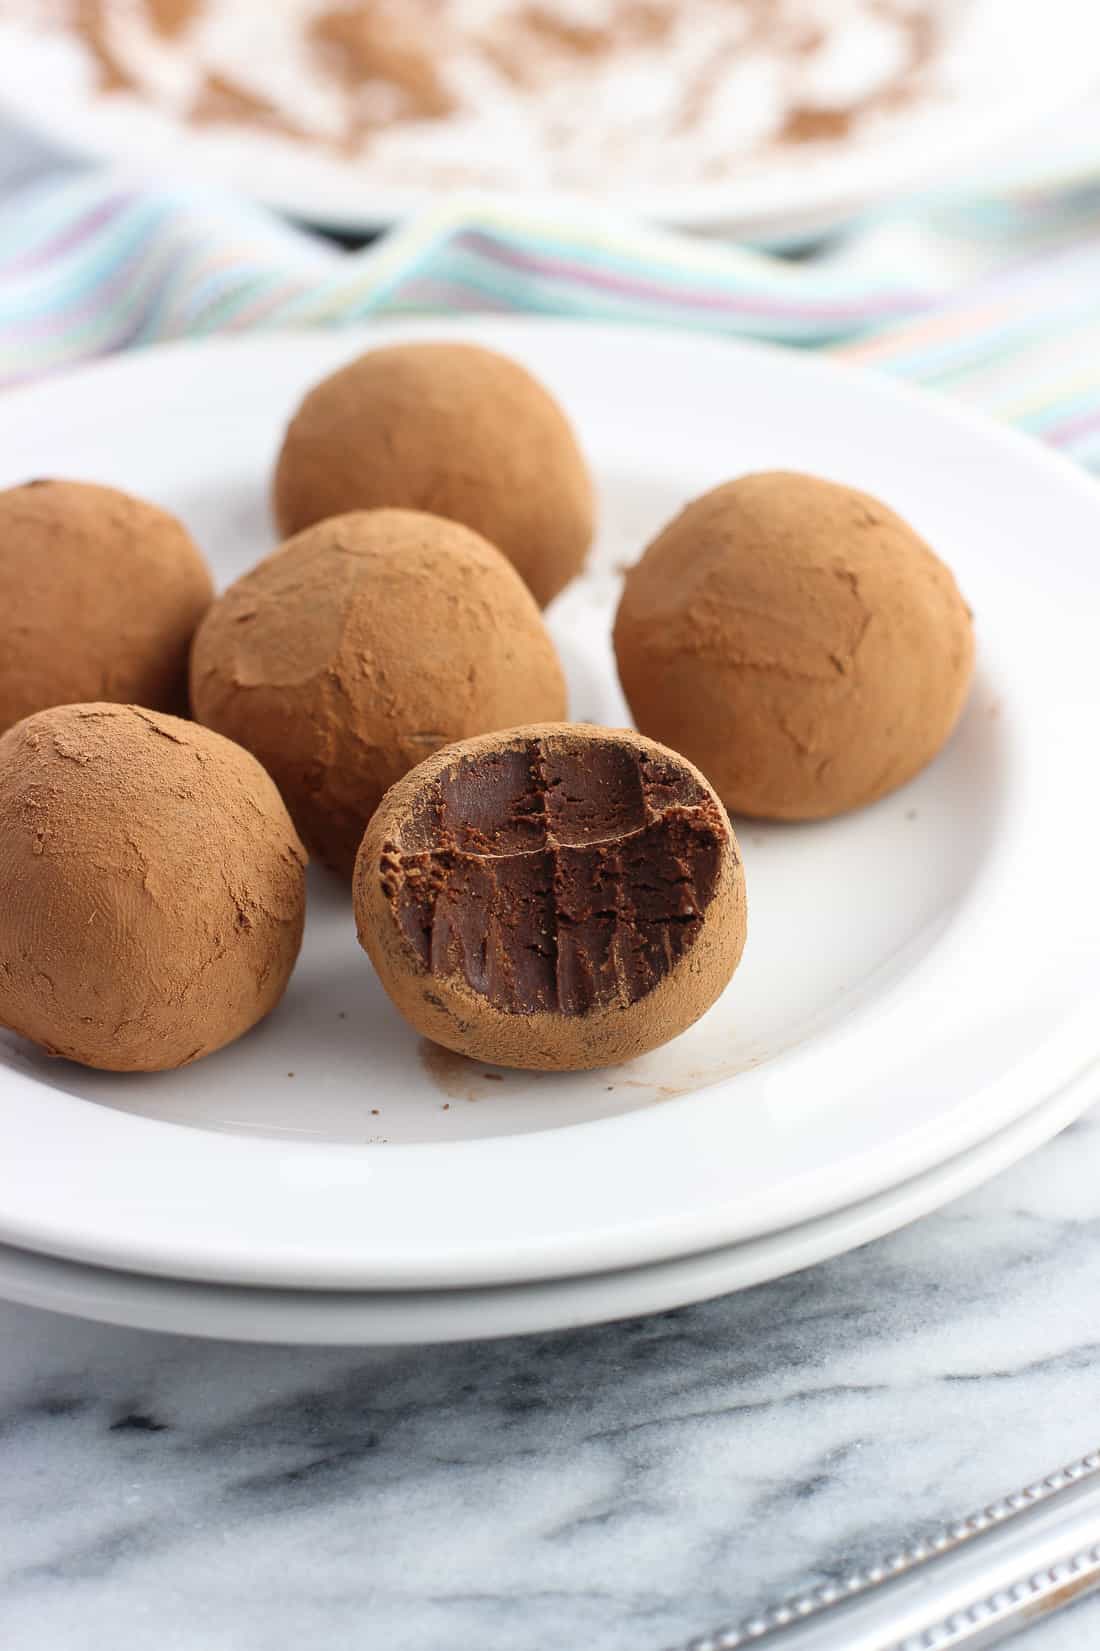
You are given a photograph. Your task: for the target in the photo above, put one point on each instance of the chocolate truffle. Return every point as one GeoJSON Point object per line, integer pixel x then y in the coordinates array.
{"type": "Point", "coordinates": [100, 594]}
{"type": "Point", "coordinates": [152, 887]}
{"type": "Point", "coordinates": [798, 641]}
{"type": "Point", "coordinates": [361, 646]}
{"type": "Point", "coordinates": [554, 897]}
{"type": "Point", "coordinates": [450, 428]}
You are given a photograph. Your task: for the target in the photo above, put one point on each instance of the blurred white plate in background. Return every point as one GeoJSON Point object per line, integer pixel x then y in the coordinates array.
{"type": "Point", "coordinates": [1010, 65]}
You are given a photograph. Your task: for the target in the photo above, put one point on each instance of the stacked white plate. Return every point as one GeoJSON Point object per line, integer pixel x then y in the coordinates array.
{"type": "Point", "coordinates": [919, 1001]}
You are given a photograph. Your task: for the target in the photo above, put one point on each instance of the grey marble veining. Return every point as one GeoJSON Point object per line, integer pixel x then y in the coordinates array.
{"type": "Point", "coordinates": [615, 1489]}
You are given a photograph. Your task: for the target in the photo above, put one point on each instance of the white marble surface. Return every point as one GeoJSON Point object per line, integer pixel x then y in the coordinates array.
{"type": "Point", "coordinates": [617, 1489]}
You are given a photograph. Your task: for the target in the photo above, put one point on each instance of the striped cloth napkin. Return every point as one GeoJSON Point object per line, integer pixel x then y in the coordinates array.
{"type": "Point", "coordinates": [997, 301]}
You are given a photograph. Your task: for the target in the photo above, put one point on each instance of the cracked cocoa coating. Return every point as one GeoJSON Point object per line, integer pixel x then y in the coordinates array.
{"type": "Point", "coordinates": [453, 429]}
{"type": "Point", "coordinates": [152, 887]}
{"type": "Point", "coordinates": [560, 896]}
{"type": "Point", "coordinates": [362, 645]}
{"type": "Point", "coordinates": [796, 640]}
{"type": "Point", "coordinates": [100, 594]}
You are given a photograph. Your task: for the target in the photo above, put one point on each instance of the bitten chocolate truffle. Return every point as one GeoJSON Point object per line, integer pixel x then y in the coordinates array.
{"type": "Point", "coordinates": [798, 641]}
{"type": "Point", "coordinates": [449, 428]}
{"type": "Point", "coordinates": [554, 897]}
{"type": "Point", "coordinates": [361, 646]}
{"type": "Point", "coordinates": [152, 887]}
{"type": "Point", "coordinates": [100, 594]}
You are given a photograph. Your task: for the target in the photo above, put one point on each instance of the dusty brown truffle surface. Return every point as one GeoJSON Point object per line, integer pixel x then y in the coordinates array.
{"type": "Point", "coordinates": [361, 646]}
{"type": "Point", "coordinates": [554, 897]}
{"type": "Point", "coordinates": [152, 887]}
{"type": "Point", "coordinates": [796, 640]}
{"type": "Point", "coordinates": [449, 428]}
{"type": "Point", "coordinates": [100, 595]}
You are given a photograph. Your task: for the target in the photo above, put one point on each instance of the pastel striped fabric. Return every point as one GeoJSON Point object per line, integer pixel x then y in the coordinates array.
{"type": "Point", "coordinates": [998, 303]}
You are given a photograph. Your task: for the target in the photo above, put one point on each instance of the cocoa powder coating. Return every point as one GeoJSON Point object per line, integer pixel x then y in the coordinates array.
{"type": "Point", "coordinates": [100, 593]}
{"type": "Point", "coordinates": [556, 897]}
{"type": "Point", "coordinates": [152, 887]}
{"type": "Point", "coordinates": [361, 646]}
{"type": "Point", "coordinates": [452, 429]}
{"type": "Point", "coordinates": [798, 641]}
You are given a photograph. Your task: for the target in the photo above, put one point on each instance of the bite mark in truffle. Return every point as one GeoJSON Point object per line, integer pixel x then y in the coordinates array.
{"type": "Point", "coordinates": [556, 882]}
{"type": "Point", "coordinates": [554, 897]}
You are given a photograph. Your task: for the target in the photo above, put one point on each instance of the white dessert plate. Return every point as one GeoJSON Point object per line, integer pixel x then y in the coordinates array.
{"type": "Point", "coordinates": [1009, 65]}
{"type": "Point", "coordinates": [918, 975]}
{"type": "Point", "coordinates": [391, 1317]}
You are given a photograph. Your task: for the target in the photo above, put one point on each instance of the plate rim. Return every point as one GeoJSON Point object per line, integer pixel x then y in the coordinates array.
{"type": "Point", "coordinates": [372, 1319]}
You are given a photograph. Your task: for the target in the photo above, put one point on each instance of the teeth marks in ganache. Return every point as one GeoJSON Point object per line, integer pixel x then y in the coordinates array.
{"type": "Point", "coordinates": [556, 880]}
